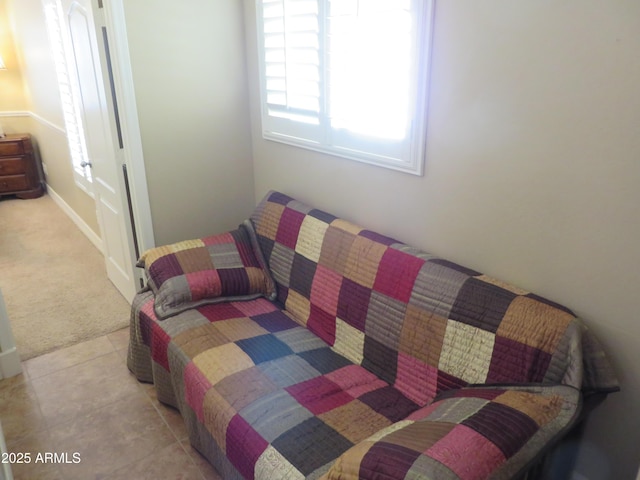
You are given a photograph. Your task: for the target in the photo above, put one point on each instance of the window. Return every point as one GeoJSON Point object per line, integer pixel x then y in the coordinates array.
{"type": "Point", "coordinates": [68, 95]}
{"type": "Point", "coordinates": [347, 77]}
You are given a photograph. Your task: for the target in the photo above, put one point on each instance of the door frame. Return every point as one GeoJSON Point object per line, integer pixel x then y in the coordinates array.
{"type": "Point", "coordinates": [128, 116]}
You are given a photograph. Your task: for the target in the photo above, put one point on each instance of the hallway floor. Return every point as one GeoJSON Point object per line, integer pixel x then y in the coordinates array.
{"type": "Point", "coordinates": [83, 400]}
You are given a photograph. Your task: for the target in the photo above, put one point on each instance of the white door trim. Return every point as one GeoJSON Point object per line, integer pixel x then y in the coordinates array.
{"type": "Point", "coordinates": [128, 115]}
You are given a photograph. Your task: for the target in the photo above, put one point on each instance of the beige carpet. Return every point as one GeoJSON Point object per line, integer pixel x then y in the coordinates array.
{"type": "Point", "coordinates": [53, 279]}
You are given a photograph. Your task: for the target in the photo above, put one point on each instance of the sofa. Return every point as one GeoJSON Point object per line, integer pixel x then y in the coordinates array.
{"type": "Point", "coordinates": [301, 345]}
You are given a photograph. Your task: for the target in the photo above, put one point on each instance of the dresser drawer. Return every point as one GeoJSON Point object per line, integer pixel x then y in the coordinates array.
{"type": "Point", "coordinates": [12, 166]}
{"type": "Point", "coordinates": [14, 182]}
{"type": "Point", "coordinates": [11, 148]}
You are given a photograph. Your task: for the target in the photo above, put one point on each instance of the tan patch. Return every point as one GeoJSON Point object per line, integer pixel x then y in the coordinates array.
{"type": "Point", "coordinates": [243, 388]}
{"type": "Point", "coordinates": [335, 249]}
{"type": "Point", "coordinates": [466, 352]}
{"type": "Point", "coordinates": [534, 323]}
{"type": "Point", "coordinates": [542, 409]}
{"type": "Point", "coordinates": [355, 420]}
{"type": "Point", "coordinates": [240, 328]}
{"type": "Point", "coordinates": [220, 362]}
{"type": "Point", "coordinates": [349, 342]}
{"type": "Point", "coordinates": [194, 260]}
{"type": "Point", "coordinates": [422, 335]}
{"type": "Point", "coordinates": [363, 261]}
{"type": "Point", "coordinates": [312, 232]}
{"type": "Point", "coordinates": [217, 416]}
{"type": "Point", "coordinates": [269, 221]}
{"type": "Point", "coordinates": [347, 466]}
{"type": "Point", "coordinates": [196, 340]}
{"type": "Point", "coordinates": [298, 307]}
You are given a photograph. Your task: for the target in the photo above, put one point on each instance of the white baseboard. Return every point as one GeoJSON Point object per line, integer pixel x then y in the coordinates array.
{"type": "Point", "coordinates": [75, 218]}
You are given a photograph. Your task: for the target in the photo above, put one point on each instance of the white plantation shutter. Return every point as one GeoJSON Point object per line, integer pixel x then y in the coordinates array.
{"type": "Point", "coordinates": [347, 77]}
{"type": "Point", "coordinates": [70, 108]}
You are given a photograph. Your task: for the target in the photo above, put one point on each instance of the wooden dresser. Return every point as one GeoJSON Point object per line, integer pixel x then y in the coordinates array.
{"type": "Point", "coordinates": [20, 172]}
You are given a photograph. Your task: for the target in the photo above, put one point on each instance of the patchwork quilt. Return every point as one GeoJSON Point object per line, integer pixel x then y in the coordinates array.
{"type": "Point", "coordinates": [376, 360]}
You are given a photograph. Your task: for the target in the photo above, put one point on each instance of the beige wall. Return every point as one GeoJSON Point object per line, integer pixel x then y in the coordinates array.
{"type": "Point", "coordinates": [190, 83]}
{"type": "Point", "coordinates": [12, 96]}
{"type": "Point", "coordinates": [532, 173]}
{"type": "Point", "coordinates": [41, 100]}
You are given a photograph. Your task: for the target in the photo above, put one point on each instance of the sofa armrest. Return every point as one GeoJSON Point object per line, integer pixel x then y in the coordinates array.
{"type": "Point", "coordinates": [472, 434]}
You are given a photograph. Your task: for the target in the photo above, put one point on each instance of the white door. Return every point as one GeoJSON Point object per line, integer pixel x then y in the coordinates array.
{"type": "Point", "coordinates": [105, 158]}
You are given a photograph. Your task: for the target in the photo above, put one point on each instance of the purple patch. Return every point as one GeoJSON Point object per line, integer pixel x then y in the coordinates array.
{"type": "Point", "coordinates": [165, 268]}
{"type": "Point", "coordinates": [515, 362]}
{"type": "Point", "coordinates": [353, 303]}
{"type": "Point", "coordinates": [387, 460]}
{"type": "Point", "coordinates": [244, 446]}
{"type": "Point", "coordinates": [289, 228]}
{"type": "Point", "coordinates": [504, 426]}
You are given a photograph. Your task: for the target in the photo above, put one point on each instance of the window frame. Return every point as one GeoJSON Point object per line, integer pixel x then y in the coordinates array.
{"type": "Point", "coordinates": [69, 96]}
{"type": "Point", "coordinates": [322, 138]}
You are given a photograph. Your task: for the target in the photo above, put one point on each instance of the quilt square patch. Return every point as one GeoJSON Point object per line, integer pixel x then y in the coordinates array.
{"type": "Point", "coordinates": [481, 304]}
{"type": "Point", "coordinates": [289, 227]}
{"type": "Point", "coordinates": [422, 335]}
{"type": "Point", "coordinates": [543, 328]}
{"type": "Point", "coordinates": [239, 328]}
{"type": "Point", "coordinates": [453, 451]}
{"type": "Point", "coordinates": [275, 321]}
{"type": "Point", "coordinates": [384, 319]}
{"type": "Point", "coordinates": [242, 388]}
{"type": "Point", "coordinates": [287, 371]}
{"type": "Point", "coordinates": [302, 272]}
{"type": "Point", "coordinates": [353, 303]}
{"type": "Point", "coordinates": [363, 261]}
{"type": "Point", "coordinates": [319, 395]}
{"type": "Point", "coordinates": [355, 420]}
{"type": "Point", "coordinates": [397, 273]}
{"type": "Point", "coordinates": [355, 380]}
{"type": "Point", "coordinates": [270, 220]}
{"type": "Point", "coordinates": [198, 339]}
{"type": "Point", "coordinates": [335, 248]}
{"type": "Point", "coordinates": [299, 339]}
{"type": "Point", "coordinates": [220, 362]}
{"type": "Point", "coordinates": [325, 289]}
{"type": "Point", "coordinates": [325, 360]}
{"type": "Point", "coordinates": [272, 464]}
{"type": "Point", "coordinates": [322, 324]}
{"type": "Point", "coordinates": [310, 238]}
{"type": "Point", "coordinates": [436, 288]}
{"type": "Point", "coordinates": [503, 426]}
{"type": "Point", "coordinates": [380, 359]}
{"type": "Point", "coordinates": [273, 414]}
{"type": "Point", "coordinates": [389, 402]}
{"type": "Point", "coordinates": [517, 362]}
{"type": "Point", "coordinates": [310, 445]}
{"type": "Point", "coordinates": [466, 352]}
{"type": "Point", "coordinates": [264, 348]}
{"type": "Point", "coordinates": [416, 380]}
{"type": "Point", "coordinates": [349, 342]}
{"type": "Point", "coordinates": [385, 460]}
{"type": "Point", "coordinates": [244, 446]}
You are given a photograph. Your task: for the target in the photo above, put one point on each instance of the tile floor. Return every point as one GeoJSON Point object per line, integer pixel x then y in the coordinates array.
{"type": "Point", "coordinates": [83, 399]}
